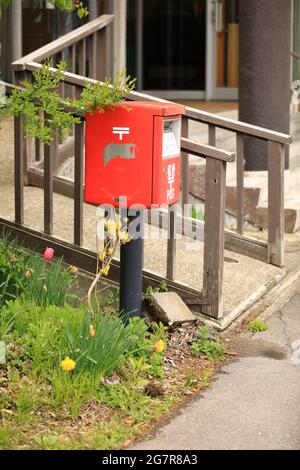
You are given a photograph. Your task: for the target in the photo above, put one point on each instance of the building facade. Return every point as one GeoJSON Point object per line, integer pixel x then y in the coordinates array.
{"type": "Point", "coordinates": [184, 49]}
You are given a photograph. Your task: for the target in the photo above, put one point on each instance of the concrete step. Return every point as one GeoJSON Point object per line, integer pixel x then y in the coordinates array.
{"type": "Point", "coordinates": [255, 196]}
{"type": "Point", "coordinates": [291, 211]}
{"type": "Point", "coordinates": [295, 125]}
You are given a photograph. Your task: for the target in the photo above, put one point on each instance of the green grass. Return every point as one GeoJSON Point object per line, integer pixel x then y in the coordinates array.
{"type": "Point", "coordinates": [212, 349]}
{"type": "Point", "coordinates": [40, 403]}
{"type": "Point", "coordinates": [256, 326]}
{"type": "Point", "coordinates": [104, 402]}
{"type": "Point", "coordinates": [197, 215]}
{"type": "Point", "coordinates": [26, 274]}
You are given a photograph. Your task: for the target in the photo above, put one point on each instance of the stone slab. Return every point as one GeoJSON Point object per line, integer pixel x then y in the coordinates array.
{"type": "Point", "coordinates": [170, 308]}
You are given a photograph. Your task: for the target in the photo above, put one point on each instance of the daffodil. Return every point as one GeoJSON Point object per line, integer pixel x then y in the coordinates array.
{"type": "Point", "coordinates": [102, 255]}
{"type": "Point", "coordinates": [28, 273]}
{"type": "Point", "coordinates": [159, 346]}
{"type": "Point", "coordinates": [73, 269]}
{"type": "Point", "coordinates": [67, 364]}
{"type": "Point", "coordinates": [110, 251]}
{"type": "Point", "coordinates": [92, 331]}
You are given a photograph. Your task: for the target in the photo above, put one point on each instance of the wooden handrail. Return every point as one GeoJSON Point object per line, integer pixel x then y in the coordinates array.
{"type": "Point", "coordinates": [63, 42]}
{"type": "Point", "coordinates": [194, 148]}
{"type": "Point", "coordinates": [187, 145]}
{"type": "Point", "coordinates": [191, 113]}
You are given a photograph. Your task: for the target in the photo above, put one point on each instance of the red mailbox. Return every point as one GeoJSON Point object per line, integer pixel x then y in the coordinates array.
{"type": "Point", "coordinates": [133, 151]}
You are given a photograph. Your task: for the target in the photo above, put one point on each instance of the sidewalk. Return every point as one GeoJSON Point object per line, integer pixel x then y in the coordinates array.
{"type": "Point", "coordinates": [254, 401]}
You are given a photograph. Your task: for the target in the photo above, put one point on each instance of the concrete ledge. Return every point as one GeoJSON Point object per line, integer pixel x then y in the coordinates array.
{"type": "Point", "coordinates": [243, 308]}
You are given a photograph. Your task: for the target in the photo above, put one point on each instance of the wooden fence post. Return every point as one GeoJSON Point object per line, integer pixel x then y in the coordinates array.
{"type": "Point", "coordinates": [276, 153]}
{"type": "Point", "coordinates": [185, 189]}
{"type": "Point", "coordinates": [214, 237]}
{"type": "Point", "coordinates": [19, 169]}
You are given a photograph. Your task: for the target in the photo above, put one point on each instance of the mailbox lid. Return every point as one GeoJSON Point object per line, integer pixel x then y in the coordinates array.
{"type": "Point", "coordinates": [156, 108]}
{"type": "Point", "coordinates": [119, 150]}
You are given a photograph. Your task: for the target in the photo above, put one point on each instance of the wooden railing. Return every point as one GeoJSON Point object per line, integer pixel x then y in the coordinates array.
{"type": "Point", "coordinates": [271, 251]}
{"type": "Point", "coordinates": [91, 60]}
{"type": "Point", "coordinates": [210, 299]}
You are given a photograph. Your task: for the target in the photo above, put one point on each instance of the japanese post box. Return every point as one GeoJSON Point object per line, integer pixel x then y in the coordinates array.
{"type": "Point", "coordinates": [132, 154]}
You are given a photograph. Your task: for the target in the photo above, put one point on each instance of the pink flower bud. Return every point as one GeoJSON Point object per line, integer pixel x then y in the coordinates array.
{"type": "Point", "coordinates": [48, 254]}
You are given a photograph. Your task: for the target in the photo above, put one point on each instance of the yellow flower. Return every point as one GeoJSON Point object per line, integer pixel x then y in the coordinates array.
{"type": "Point", "coordinates": [124, 237]}
{"type": "Point", "coordinates": [111, 228]}
{"type": "Point", "coordinates": [67, 364]}
{"type": "Point", "coordinates": [159, 346]}
{"type": "Point", "coordinates": [73, 269]}
{"type": "Point", "coordinates": [110, 251]}
{"type": "Point", "coordinates": [102, 256]}
{"type": "Point", "coordinates": [92, 331]}
{"type": "Point", "coordinates": [105, 270]}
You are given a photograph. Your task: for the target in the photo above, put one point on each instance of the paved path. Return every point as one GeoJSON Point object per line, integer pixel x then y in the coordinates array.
{"type": "Point", "coordinates": [255, 401]}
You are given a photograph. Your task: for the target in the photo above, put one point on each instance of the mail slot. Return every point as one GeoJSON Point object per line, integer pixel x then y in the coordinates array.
{"type": "Point", "coordinates": [132, 154]}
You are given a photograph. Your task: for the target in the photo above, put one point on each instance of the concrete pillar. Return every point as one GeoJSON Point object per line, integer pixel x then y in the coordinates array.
{"type": "Point", "coordinates": [264, 90]}
{"type": "Point", "coordinates": [120, 29]}
{"type": "Point", "coordinates": [93, 10]}
{"type": "Point", "coordinates": [16, 28]}
{"type": "Point", "coordinates": [5, 38]}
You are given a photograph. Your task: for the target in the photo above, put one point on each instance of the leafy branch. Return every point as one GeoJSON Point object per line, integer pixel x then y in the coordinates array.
{"type": "Point", "coordinates": [62, 5]}
{"type": "Point", "coordinates": [46, 113]}
{"type": "Point", "coordinates": [107, 94]}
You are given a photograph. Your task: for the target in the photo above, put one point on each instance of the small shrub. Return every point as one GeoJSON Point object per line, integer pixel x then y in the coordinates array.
{"type": "Point", "coordinates": [255, 326]}
{"type": "Point", "coordinates": [213, 349]}
{"type": "Point", "coordinates": [154, 290]}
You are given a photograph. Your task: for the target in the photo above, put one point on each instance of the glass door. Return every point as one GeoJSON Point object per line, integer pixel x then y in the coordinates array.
{"type": "Point", "coordinates": [222, 72]}
{"type": "Point", "coordinates": [166, 47]}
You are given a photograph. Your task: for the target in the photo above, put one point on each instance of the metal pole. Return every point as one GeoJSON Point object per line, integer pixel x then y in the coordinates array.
{"type": "Point", "coordinates": [131, 269]}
